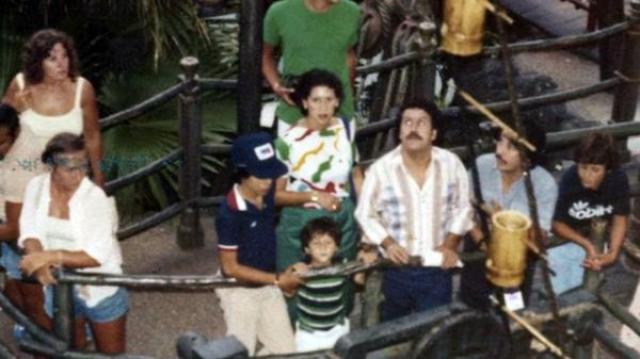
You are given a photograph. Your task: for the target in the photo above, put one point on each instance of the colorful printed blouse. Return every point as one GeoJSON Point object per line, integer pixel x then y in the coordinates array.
{"type": "Point", "coordinates": [318, 160]}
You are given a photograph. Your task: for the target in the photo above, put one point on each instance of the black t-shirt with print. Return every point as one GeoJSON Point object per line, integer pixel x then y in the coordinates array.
{"type": "Point", "coordinates": [577, 206]}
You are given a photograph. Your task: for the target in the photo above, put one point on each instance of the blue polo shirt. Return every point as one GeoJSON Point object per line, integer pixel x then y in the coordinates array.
{"type": "Point", "coordinates": [544, 189]}
{"type": "Point", "coordinates": [248, 230]}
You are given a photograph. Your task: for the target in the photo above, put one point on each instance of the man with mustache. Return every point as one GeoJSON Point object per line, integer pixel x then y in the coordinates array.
{"type": "Point", "coordinates": [501, 176]}
{"type": "Point", "coordinates": [415, 204]}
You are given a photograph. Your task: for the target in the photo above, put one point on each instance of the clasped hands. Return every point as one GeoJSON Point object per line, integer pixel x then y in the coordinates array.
{"type": "Point", "coordinates": [39, 265]}
{"type": "Point", "coordinates": [597, 261]}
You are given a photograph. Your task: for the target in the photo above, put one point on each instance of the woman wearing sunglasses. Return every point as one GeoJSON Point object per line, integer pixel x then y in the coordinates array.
{"type": "Point", "coordinates": [68, 221]}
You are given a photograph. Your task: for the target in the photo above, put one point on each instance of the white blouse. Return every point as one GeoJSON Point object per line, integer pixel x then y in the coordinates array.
{"type": "Point", "coordinates": [93, 221]}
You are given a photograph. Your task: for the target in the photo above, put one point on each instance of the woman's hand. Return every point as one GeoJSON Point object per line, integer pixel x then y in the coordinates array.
{"type": "Point", "coordinates": [33, 262]}
{"type": "Point", "coordinates": [328, 201]}
{"type": "Point", "coordinates": [22, 99]}
{"type": "Point", "coordinates": [284, 93]}
{"type": "Point", "coordinates": [44, 276]}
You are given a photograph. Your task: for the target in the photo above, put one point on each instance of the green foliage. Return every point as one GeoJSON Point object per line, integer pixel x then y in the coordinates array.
{"type": "Point", "coordinates": [130, 51]}
{"type": "Point", "coordinates": [153, 135]}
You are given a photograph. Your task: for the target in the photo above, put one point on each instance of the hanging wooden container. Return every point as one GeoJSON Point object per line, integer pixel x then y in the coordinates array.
{"type": "Point", "coordinates": [463, 27]}
{"type": "Point", "coordinates": [507, 250]}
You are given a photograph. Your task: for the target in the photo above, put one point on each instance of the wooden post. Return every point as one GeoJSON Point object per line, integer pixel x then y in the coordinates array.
{"type": "Point", "coordinates": [609, 12]}
{"type": "Point", "coordinates": [249, 90]}
{"type": "Point", "coordinates": [371, 299]}
{"type": "Point", "coordinates": [63, 312]}
{"type": "Point", "coordinates": [425, 70]}
{"type": "Point", "coordinates": [625, 102]}
{"type": "Point", "coordinates": [190, 233]}
{"type": "Point", "coordinates": [597, 236]}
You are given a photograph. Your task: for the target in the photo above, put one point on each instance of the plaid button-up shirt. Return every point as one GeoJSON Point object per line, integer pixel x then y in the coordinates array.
{"type": "Point", "coordinates": [392, 204]}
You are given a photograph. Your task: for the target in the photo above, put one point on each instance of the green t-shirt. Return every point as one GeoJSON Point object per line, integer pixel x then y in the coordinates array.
{"type": "Point", "coordinates": [313, 40]}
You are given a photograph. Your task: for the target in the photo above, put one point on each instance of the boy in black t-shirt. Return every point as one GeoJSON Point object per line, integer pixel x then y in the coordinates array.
{"type": "Point", "coordinates": [594, 188]}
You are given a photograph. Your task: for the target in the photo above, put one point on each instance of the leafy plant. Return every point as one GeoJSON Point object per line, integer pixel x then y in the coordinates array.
{"type": "Point", "coordinates": [151, 136]}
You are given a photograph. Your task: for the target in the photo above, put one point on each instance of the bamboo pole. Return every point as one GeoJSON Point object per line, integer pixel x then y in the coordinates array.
{"type": "Point", "coordinates": [501, 14]}
{"type": "Point", "coordinates": [511, 133]}
{"type": "Point", "coordinates": [531, 329]}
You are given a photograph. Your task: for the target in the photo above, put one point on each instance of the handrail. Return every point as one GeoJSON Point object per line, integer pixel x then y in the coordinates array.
{"type": "Point", "coordinates": [142, 107]}
{"type": "Point", "coordinates": [217, 84]}
{"type": "Point", "coordinates": [620, 312]}
{"type": "Point", "coordinates": [32, 346]}
{"type": "Point", "coordinates": [150, 221]}
{"type": "Point", "coordinates": [561, 42]}
{"type": "Point", "coordinates": [216, 149]}
{"type": "Point", "coordinates": [149, 280]}
{"type": "Point", "coordinates": [525, 103]}
{"type": "Point", "coordinates": [517, 47]}
{"type": "Point", "coordinates": [5, 353]}
{"type": "Point", "coordinates": [149, 169]}
{"type": "Point", "coordinates": [212, 281]}
{"type": "Point", "coordinates": [390, 63]}
{"type": "Point", "coordinates": [17, 316]}
{"type": "Point", "coordinates": [612, 343]}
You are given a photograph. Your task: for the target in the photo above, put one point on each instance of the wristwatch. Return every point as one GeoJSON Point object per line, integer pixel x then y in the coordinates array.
{"type": "Point", "coordinates": [315, 197]}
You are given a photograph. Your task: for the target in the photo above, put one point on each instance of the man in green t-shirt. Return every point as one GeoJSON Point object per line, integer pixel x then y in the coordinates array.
{"type": "Point", "coordinates": [310, 34]}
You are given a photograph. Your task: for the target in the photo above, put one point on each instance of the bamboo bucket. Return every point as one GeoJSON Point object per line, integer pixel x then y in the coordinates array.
{"type": "Point", "coordinates": [507, 250]}
{"type": "Point", "coordinates": [463, 27]}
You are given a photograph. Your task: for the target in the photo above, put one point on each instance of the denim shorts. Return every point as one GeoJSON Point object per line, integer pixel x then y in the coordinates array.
{"type": "Point", "coordinates": [10, 260]}
{"type": "Point", "coordinates": [107, 310]}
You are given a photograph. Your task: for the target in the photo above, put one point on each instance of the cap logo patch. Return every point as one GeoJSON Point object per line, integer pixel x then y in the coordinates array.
{"type": "Point", "coordinates": [264, 152]}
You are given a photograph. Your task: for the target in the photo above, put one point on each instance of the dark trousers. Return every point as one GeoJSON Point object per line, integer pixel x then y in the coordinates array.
{"type": "Point", "coordinates": [409, 290]}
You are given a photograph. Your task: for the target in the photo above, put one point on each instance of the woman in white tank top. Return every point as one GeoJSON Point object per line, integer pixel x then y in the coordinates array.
{"type": "Point", "coordinates": [51, 98]}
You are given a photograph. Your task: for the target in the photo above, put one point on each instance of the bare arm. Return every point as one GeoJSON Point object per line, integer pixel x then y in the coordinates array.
{"type": "Point", "coordinates": [92, 134]}
{"type": "Point", "coordinates": [449, 249]}
{"type": "Point", "coordinates": [352, 62]}
{"type": "Point", "coordinates": [15, 97]}
{"type": "Point", "coordinates": [616, 238]}
{"type": "Point", "coordinates": [287, 281]}
{"type": "Point", "coordinates": [565, 231]}
{"type": "Point", "coordinates": [270, 73]}
{"type": "Point", "coordinates": [284, 198]}
{"type": "Point", "coordinates": [358, 179]}
{"type": "Point", "coordinates": [10, 230]}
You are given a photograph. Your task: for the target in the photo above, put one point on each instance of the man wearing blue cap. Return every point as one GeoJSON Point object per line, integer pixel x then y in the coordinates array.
{"type": "Point", "coordinates": [247, 250]}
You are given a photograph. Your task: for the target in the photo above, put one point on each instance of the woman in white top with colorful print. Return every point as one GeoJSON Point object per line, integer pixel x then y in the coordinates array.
{"type": "Point", "coordinates": [68, 221]}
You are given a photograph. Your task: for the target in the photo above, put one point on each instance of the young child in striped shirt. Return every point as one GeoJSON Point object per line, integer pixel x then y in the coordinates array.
{"type": "Point", "coordinates": [321, 307]}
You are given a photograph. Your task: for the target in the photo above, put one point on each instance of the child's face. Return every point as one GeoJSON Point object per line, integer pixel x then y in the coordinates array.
{"type": "Point", "coordinates": [6, 140]}
{"type": "Point", "coordinates": [321, 249]}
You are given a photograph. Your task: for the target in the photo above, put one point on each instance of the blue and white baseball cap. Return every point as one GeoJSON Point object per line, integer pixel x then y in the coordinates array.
{"type": "Point", "coordinates": [254, 152]}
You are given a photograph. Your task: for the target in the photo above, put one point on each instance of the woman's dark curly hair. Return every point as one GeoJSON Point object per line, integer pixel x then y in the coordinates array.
{"type": "Point", "coordinates": [314, 78]}
{"type": "Point", "coordinates": [37, 49]}
{"type": "Point", "coordinates": [599, 149]}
